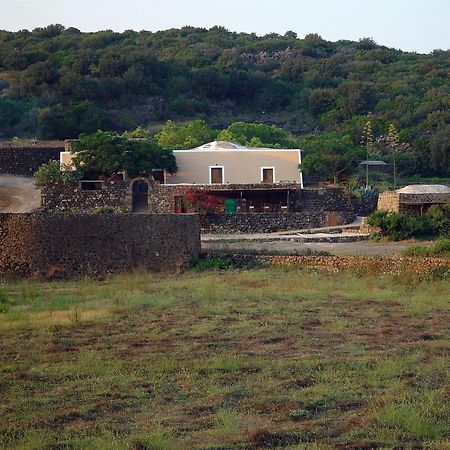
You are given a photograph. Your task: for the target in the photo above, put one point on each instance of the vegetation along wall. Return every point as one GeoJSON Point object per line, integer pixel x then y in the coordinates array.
{"type": "Point", "coordinates": [357, 264]}
{"type": "Point", "coordinates": [62, 245]}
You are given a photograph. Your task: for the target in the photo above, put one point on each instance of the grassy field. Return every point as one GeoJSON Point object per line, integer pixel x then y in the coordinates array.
{"type": "Point", "coordinates": [268, 358]}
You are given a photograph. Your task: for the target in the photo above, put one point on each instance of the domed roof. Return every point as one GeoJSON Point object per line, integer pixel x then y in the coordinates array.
{"type": "Point", "coordinates": [425, 189]}
{"type": "Point", "coordinates": [221, 145]}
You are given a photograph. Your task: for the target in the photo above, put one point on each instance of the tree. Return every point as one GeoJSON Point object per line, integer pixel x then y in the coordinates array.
{"type": "Point", "coordinates": [393, 141]}
{"type": "Point", "coordinates": [257, 135]}
{"type": "Point", "coordinates": [367, 142]}
{"type": "Point", "coordinates": [105, 153]}
{"type": "Point", "coordinates": [137, 133]}
{"type": "Point", "coordinates": [192, 135]}
{"type": "Point", "coordinates": [331, 156]}
{"type": "Point", "coordinates": [440, 151]}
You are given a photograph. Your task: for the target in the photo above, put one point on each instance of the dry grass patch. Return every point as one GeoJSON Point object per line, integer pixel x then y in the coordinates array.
{"type": "Point", "coordinates": [270, 358]}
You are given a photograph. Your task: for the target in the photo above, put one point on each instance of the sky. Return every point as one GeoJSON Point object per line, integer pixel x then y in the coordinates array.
{"type": "Point", "coordinates": [410, 25]}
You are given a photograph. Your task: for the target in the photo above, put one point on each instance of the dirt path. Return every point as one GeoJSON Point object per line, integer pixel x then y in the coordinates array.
{"type": "Point", "coordinates": [18, 194]}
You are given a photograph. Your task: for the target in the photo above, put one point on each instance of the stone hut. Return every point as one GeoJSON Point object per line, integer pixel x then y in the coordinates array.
{"type": "Point", "coordinates": [414, 199]}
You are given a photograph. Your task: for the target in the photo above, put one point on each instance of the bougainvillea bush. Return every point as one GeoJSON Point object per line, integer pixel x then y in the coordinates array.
{"type": "Point", "coordinates": [201, 202]}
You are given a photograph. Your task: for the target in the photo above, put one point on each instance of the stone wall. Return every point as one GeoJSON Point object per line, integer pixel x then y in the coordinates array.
{"type": "Point", "coordinates": [69, 196]}
{"type": "Point", "coordinates": [335, 199]}
{"type": "Point", "coordinates": [162, 198]}
{"type": "Point", "coordinates": [309, 208]}
{"type": "Point", "coordinates": [379, 265]}
{"type": "Point", "coordinates": [25, 161]}
{"type": "Point", "coordinates": [63, 245]}
{"type": "Point", "coordinates": [269, 222]}
{"type": "Point", "coordinates": [389, 201]}
{"type": "Point", "coordinates": [393, 201]}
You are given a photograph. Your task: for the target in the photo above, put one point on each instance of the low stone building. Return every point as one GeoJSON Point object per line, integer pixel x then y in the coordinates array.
{"type": "Point", "coordinates": [414, 199]}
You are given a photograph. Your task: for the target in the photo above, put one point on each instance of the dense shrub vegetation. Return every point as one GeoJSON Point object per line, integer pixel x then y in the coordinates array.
{"type": "Point", "coordinates": [440, 249]}
{"type": "Point", "coordinates": [58, 83]}
{"type": "Point", "coordinates": [398, 226]}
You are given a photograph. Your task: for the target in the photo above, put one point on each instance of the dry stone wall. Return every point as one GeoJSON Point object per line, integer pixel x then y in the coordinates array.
{"type": "Point", "coordinates": [268, 222]}
{"type": "Point", "coordinates": [335, 199]}
{"type": "Point", "coordinates": [358, 264]}
{"type": "Point", "coordinates": [69, 196]}
{"type": "Point", "coordinates": [25, 161]}
{"type": "Point", "coordinates": [307, 208]}
{"type": "Point", "coordinates": [62, 245]}
{"type": "Point", "coordinates": [389, 201]}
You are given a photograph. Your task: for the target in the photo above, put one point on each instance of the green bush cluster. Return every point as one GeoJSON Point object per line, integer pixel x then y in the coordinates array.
{"type": "Point", "coordinates": [440, 249]}
{"type": "Point", "coordinates": [51, 172]}
{"type": "Point", "coordinates": [202, 265]}
{"type": "Point", "coordinates": [399, 226]}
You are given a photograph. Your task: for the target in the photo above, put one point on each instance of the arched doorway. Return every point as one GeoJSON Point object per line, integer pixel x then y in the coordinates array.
{"type": "Point", "coordinates": [139, 193]}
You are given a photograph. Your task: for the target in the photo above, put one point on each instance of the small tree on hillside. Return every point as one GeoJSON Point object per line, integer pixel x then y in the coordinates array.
{"type": "Point", "coordinates": [367, 142]}
{"type": "Point", "coordinates": [188, 136]}
{"type": "Point", "coordinates": [393, 142]}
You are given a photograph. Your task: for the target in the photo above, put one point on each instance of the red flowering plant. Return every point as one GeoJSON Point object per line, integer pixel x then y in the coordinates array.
{"type": "Point", "coordinates": [201, 202]}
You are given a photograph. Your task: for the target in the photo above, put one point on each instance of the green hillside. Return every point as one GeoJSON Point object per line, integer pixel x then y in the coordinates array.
{"type": "Point", "coordinates": [58, 83]}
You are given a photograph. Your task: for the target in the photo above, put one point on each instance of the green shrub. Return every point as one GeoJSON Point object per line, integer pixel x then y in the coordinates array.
{"type": "Point", "coordinates": [104, 210]}
{"type": "Point", "coordinates": [201, 265]}
{"type": "Point", "coordinates": [398, 226]}
{"type": "Point", "coordinates": [51, 172]}
{"type": "Point", "coordinates": [4, 300]}
{"type": "Point", "coordinates": [440, 215]}
{"type": "Point", "coordinates": [440, 249]}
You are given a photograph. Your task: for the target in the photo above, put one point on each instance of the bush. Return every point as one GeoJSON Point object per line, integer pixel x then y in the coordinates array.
{"type": "Point", "coordinates": [398, 226]}
{"type": "Point", "coordinates": [440, 215]}
{"type": "Point", "coordinates": [440, 249]}
{"type": "Point", "coordinates": [4, 300]}
{"type": "Point", "coordinates": [104, 210]}
{"type": "Point", "coordinates": [201, 265]}
{"type": "Point", "coordinates": [51, 172]}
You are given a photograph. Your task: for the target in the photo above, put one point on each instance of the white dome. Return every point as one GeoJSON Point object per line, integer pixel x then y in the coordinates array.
{"type": "Point", "coordinates": [220, 145]}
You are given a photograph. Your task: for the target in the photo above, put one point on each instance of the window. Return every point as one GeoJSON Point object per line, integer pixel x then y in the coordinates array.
{"type": "Point", "coordinates": [159, 175]}
{"type": "Point", "coordinates": [216, 175]}
{"type": "Point", "coordinates": [268, 175]}
{"type": "Point", "coordinates": [179, 205]}
{"type": "Point", "coordinates": [94, 185]}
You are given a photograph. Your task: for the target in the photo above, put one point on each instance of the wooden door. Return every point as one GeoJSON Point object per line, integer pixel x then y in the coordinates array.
{"type": "Point", "coordinates": [267, 176]}
{"type": "Point", "coordinates": [216, 175]}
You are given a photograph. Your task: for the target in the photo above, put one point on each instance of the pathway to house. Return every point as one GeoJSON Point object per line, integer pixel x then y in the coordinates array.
{"type": "Point", "coordinates": [18, 194]}
{"type": "Point", "coordinates": [340, 241]}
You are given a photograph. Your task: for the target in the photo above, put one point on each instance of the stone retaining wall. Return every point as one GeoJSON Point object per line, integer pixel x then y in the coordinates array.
{"type": "Point", "coordinates": [69, 196]}
{"type": "Point", "coordinates": [25, 161]}
{"type": "Point", "coordinates": [336, 199]}
{"type": "Point", "coordinates": [269, 222]}
{"type": "Point", "coordinates": [358, 264]}
{"type": "Point", "coordinates": [57, 245]}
